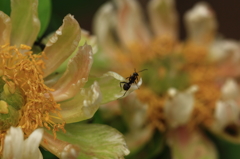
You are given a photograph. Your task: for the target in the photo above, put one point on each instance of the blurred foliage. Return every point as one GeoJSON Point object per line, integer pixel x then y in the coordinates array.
{"type": "Point", "coordinates": [47, 155]}
{"type": "Point", "coordinates": [5, 6]}
{"type": "Point", "coordinates": [226, 149]}
{"type": "Point", "coordinates": [82, 10]}
{"type": "Point", "coordinates": [44, 12]}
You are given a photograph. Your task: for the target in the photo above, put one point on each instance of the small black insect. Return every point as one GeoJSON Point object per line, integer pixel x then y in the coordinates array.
{"type": "Point", "coordinates": [39, 44]}
{"type": "Point", "coordinates": [131, 79]}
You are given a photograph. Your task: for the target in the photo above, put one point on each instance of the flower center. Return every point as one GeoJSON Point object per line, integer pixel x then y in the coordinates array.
{"type": "Point", "coordinates": [171, 64]}
{"type": "Point", "coordinates": [25, 100]}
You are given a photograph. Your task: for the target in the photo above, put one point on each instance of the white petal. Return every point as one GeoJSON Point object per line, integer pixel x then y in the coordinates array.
{"type": "Point", "coordinates": [230, 89]}
{"type": "Point", "coordinates": [31, 145]}
{"type": "Point", "coordinates": [179, 106]}
{"type": "Point", "coordinates": [201, 23]}
{"type": "Point", "coordinates": [227, 112]}
{"type": "Point", "coordinates": [221, 49]}
{"type": "Point", "coordinates": [13, 143]}
{"type": "Point", "coordinates": [16, 148]}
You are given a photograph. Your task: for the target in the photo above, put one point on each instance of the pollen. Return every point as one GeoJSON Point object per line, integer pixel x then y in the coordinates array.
{"type": "Point", "coordinates": [204, 74]}
{"type": "Point", "coordinates": [22, 77]}
{"type": "Point", "coordinates": [155, 107]}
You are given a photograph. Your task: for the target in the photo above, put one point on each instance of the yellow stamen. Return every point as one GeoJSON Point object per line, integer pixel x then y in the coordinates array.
{"type": "Point", "coordinates": [203, 74]}
{"type": "Point", "coordinates": [162, 46]}
{"type": "Point", "coordinates": [20, 68]}
{"type": "Point", "coordinates": [155, 107]}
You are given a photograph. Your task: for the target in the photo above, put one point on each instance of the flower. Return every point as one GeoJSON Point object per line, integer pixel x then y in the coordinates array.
{"type": "Point", "coordinates": [52, 89]}
{"type": "Point", "coordinates": [187, 83]}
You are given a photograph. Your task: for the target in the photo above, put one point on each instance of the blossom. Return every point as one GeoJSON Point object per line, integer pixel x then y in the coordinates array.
{"type": "Point", "coordinates": [189, 84]}
{"type": "Point", "coordinates": [52, 89]}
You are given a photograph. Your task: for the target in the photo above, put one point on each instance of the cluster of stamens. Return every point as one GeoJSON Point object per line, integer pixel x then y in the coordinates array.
{"type": "Point", "coordinates": [21, 71]}
{"type": "Point", "coordinates": [194, 63]}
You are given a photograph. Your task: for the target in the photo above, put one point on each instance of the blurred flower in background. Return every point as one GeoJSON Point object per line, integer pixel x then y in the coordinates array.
{"type": "Point", "coordinates": [190, 92]}
{"type": "Point", "coordinates": [47, 85]}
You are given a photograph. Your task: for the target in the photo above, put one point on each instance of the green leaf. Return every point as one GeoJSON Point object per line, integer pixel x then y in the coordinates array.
{"type": "Point", "coordinates": [44, 14]}
{"type": "Point", "coordinates": [5, 6]}
{"type": "Point", "coordinates": [46, 154]}
{"type": "Point", "coordinates": [151, 149]}
{"type": "Point", "coordinates": [228, 147]}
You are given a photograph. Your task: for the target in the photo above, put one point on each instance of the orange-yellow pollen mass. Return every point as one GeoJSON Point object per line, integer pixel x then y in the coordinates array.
{"type": "Point", "coordinates": [21, 71]}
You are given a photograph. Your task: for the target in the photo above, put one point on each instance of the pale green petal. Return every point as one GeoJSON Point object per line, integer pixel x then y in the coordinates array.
{"type": "Point", "coordinates": [53, 78]}
{"type": "Point", "coordinates": [86, 38]}
{"type": "Point", "coordinates": [163, 17]}
{"type": "Point", "coordinates": [5, 28]}
{"type": "Point", "coordinates": [110, 86]}
{"type": "Point", "coordinates": [186, 144]}
{"type": "Point", "coordinates": [95, 141]}
{"type": "Point", "coordinates": [60, 148]}
{"type": "Point", "coordinates": [89, 39]}
{"type": "Point", "coordinates": [134, 112]}
{"type": "Point", "coordinates": [62, 44]}
{"type": "Point", "coordinates": [82, 106]}
{"type": "Point", "coordinates": [25, 22]}
{"type": "Point", "coordinates": [138, 138]}
{"type": "Point", "coordinates": [75, 76]}
{"type": "Point", "coordinates": [105, 25]}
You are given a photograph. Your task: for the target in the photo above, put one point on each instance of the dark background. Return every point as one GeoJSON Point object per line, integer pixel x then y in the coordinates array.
{"type": "Point", "coordinates": [227, 13]}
